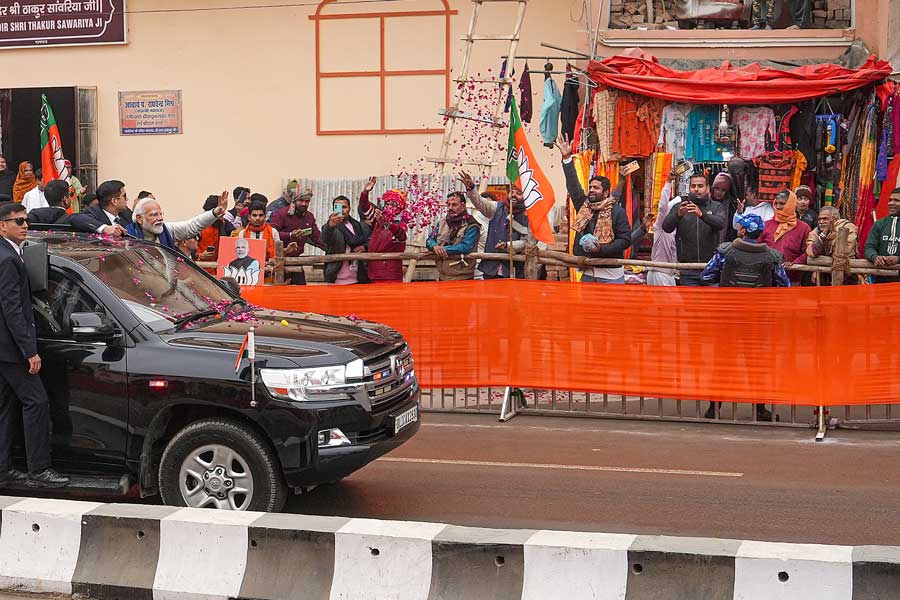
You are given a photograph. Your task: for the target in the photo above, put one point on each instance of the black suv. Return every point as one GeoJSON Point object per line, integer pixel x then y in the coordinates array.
{"type": "Point", "coordinates": [139, 347]}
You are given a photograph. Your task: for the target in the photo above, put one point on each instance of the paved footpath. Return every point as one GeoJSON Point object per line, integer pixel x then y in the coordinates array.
{"type": "Point", "coordinates": [709, 480]}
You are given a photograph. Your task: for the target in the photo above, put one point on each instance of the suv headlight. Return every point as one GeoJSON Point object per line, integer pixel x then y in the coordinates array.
{"type": "Point", "coordinates": [306, 384]}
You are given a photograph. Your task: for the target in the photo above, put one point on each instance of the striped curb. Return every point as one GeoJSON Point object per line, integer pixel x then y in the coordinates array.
{"type": "Point", "coordinates": [124, 552]}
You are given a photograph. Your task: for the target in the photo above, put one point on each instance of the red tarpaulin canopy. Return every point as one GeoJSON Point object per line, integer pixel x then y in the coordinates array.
{"type": "Point", "coordinates": [725, 84]}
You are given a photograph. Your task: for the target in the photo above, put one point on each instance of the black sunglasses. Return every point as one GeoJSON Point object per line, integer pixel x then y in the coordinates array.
{"type": "Point", "coordinates": [18, 220]}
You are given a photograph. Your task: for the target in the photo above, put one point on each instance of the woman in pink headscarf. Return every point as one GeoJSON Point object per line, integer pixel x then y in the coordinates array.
{"type": "Point", "coordinates": [786, 233]}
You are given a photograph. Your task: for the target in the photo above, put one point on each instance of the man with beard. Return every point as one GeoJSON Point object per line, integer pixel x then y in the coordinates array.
{"type": "Point", "coordinates": [498, 235]}
{"type": "Point", "coordinates": [295, 223]}
{"type": "Point", "coordinates": [452, 238]}
{"type": "Point", "coordinates": [388, 232]}
{"type": "Point", "coordinates": [258, 229]}
{"type": "Point", "coordinates": [150, 225]}
{"type": "Point", "coordinates": [697, 221]}
{"type": "Point", "coordinates": [883, 243]}
{"type": "Point", "coordinates": [244, 268]}
{"type": "Point", "coordinates": [601, 225]}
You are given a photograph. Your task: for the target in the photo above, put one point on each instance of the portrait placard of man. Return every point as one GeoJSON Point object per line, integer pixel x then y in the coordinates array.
{"type": "Point", "coordinates": [242, 259]}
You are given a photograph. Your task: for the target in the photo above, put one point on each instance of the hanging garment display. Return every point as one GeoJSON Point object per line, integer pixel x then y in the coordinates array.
{"type": "Point", "coordinates": [525, 108]}
{"type": "Point", "coordinates": [673, 128]}
{"type": "Point", "coordinates": [803, 132]}
{"type": "Point", "coordinates": [776, 172]}
{"type": "Point", "coordinates": [550, 112]}
{"type": "Point", "coordinates": [785, 142]}
{"type": "Point", "coordinates": [753, 124]}
{"type": "Point", "coordinates": [637, 125]}
{"type": "Point", "coordinates": [568, 112]}
{"type": "Point", "coordinates": [701, 146]}
{"type": "Point", "coordinates": [604, 112]}
{"type": "Point", "coordinates": [799, 169]}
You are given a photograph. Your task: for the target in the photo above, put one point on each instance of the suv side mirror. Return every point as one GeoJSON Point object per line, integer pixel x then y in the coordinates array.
{"type": "Point", "coordinates": [91, 327]}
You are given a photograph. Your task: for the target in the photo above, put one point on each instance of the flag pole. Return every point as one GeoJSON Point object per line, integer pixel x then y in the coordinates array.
{"type": "Point", "coordinates": [509, 218]}
{"type": "Point", "coordinates": [252, 356]}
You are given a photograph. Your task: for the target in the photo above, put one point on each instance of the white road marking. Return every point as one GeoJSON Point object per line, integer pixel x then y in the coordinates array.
{"type": "Point", "coordinates": [484, 463]}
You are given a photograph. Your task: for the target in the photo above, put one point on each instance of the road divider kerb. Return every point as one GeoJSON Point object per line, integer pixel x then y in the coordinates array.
{"type": "Point", "coordinates": [115, 551]}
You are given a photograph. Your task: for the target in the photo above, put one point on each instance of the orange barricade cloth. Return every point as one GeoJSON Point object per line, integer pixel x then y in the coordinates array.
{"type": "Point", "coordinates": [826, 345]}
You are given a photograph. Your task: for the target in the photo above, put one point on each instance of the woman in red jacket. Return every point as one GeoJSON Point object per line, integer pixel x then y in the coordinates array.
{"type": "Point", "coordinates": [786, 233]}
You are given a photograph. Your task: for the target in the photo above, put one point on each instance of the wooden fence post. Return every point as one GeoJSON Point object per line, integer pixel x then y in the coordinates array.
{"type": "Point", "coordinates": [840, 257]}
{"type": "Point", "coordinates": [278, 268]}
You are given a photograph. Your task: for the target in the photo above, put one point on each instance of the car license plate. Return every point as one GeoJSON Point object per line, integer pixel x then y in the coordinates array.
{"type": "Point", "coordinates": [405, 418]}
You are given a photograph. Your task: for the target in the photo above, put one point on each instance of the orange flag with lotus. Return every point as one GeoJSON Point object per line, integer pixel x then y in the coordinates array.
{"type": "Point", "coordinates": [523, 171]}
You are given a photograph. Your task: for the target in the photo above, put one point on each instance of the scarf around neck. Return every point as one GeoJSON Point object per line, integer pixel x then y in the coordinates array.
{"type": "Point", "coordinates": [603, 229]}
{"type": "Point", "coordinates": [455, 223]}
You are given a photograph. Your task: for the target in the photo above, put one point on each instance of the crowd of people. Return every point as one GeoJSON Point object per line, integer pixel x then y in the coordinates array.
{"type": "Point", "coordinates": [744, 242]}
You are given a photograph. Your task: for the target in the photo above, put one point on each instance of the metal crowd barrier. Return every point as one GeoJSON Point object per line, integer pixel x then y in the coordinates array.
{"type": "Point", "coordinates": [542, 402]}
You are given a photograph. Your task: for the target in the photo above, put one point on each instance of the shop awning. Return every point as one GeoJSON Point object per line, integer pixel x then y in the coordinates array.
{"type": "Point", "coordinates": [725, 84]}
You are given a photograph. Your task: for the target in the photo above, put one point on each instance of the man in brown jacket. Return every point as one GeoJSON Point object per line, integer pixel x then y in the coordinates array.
{"type": "Point", "coordinates": [452, 238]}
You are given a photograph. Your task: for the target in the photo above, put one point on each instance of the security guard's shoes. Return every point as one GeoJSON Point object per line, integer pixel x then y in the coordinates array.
{"type": "Point", "coordinates": [12, 476]}
{"type": "Point", "coordinates": [48, 478]}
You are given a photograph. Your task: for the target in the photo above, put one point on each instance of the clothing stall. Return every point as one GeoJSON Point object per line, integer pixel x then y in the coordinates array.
{"type": "Point", "coordinates": [834, 129]}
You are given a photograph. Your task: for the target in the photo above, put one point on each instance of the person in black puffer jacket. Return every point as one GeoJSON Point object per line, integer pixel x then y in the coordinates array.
{"type": "Point", "coordinates": [697, 221]}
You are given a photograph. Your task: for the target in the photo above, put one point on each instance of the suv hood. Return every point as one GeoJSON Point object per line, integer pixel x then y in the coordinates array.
{"type": "Point", "coordinates": [307, 339]}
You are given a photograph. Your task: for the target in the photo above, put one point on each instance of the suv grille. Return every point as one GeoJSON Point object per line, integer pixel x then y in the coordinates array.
{"type": "Point", "coordinates": [389, 377]}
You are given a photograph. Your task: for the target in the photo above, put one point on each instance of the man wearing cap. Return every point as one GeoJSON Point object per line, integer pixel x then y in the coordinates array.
{"type": "Point", "coordinates": [295, 224]}
{"type": "Point", "coordinates": [746, 262]}
{"type": "Point", "coordinates": [291, 191]}
{"type": "Point", "coordinates": [804, 211]}
{"type": "Point", "coordinates": [883, 243]}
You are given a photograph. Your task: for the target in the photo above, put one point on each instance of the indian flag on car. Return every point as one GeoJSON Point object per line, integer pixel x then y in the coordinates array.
{"type": "Point", "coordinates": [523, 171]}
{"type": "Point", "coordinates": [247, 350]}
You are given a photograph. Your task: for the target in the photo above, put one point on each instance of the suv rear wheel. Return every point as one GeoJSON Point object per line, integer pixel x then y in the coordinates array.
{"type": "Point", "coordinates": [218, 463]}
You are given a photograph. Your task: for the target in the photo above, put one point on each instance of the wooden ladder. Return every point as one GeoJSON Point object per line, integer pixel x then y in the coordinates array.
{"type": "Point", "coordinates": [453, 112]}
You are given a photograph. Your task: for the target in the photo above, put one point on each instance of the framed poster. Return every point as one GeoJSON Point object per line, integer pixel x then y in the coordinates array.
{"type": "Point", "coordinates": [150, 113]}
{"type": "Point", "coordinates": [39, 23]}
{"type": "Point", "coordinates": [243, 259]}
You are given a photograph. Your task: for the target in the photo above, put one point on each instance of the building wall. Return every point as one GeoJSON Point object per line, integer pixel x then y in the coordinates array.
{"type": "Point", "coordinates": [248, 82]}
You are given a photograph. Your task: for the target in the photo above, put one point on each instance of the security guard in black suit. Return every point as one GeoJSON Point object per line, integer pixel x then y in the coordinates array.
{"type": "Point", "coordinates": [19, 361]}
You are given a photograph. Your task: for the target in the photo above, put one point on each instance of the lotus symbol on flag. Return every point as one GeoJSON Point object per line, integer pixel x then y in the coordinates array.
{"type": "Point", "coordinates": [531, 189]}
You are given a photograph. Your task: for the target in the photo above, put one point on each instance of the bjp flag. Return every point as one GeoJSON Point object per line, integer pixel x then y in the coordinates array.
{"type": "Point", "coordinates": [53, 163]}
{"type": "Point", "coordinates": [523, 171]}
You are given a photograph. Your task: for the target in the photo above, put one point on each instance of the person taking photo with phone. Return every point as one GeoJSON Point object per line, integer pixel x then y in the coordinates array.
{"type": "Point", "coordinates": [343, 234]}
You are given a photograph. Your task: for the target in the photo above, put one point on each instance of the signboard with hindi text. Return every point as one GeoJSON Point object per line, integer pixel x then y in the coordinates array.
{"type": "Point", "coordinates": [36, 23]}
{"type": "Point", "coordinates": [150, 113]}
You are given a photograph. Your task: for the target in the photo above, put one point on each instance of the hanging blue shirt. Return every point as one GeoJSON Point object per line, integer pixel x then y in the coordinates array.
{"type": "Point", "coordinates": [550, 112]}
{"type": "Point", "coordinates": [700, 143]}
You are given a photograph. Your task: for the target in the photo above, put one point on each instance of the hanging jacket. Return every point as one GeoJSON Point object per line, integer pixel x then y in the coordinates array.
{"type": "Point", "coordinates": [525, 109]}
{"type": "Point", "coordinates": [569, 107]}
{"type": "Point", "coordinates": [550, 107]}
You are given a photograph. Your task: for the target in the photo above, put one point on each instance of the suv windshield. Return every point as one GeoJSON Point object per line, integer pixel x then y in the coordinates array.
{"type": "Point", "coordinates": [161, 287]}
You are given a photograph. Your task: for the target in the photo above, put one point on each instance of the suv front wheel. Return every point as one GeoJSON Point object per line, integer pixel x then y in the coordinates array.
{"type": "Point", "coordinates": [218, 463]}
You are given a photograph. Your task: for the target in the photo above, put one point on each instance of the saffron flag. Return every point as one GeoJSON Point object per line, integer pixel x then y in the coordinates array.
{"type": "Point", "coordinates": [247, 350]}
{"type": "Point", "coordinates": [523, 171]}
{"type": "Point", "coordinates": [53, 163]}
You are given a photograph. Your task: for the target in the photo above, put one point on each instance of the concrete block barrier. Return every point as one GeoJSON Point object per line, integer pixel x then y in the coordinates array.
{"type": "Point", "coordinates": [125, 552]}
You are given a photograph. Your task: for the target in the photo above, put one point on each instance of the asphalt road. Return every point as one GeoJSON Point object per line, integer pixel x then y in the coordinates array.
{"type": "Point", "coordinates": [710, 480]}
